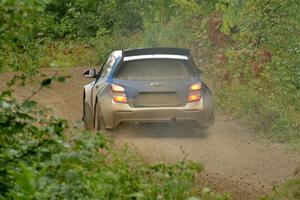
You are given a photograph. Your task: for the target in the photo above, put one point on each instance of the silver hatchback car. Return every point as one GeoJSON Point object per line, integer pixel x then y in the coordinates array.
{"type": "Point", "coordinates": [146, 85]}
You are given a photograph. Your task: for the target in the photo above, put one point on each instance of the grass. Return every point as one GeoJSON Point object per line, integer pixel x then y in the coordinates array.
{"type": "Point", "coordinates": [67, 54]}
{"type": "Point", "coordinates": [288, 191]}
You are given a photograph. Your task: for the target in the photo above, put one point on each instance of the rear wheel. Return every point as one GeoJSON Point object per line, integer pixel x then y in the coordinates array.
{"type": "Point", "coordinates": [204, 127]}
{"type": "Point", "coordinates": [98, 119]}
{"type": "Point", "coordinates": [87, 119]}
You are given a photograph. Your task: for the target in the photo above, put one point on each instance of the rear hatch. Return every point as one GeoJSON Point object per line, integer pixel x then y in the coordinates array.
{"type": "Point", "coordinates": [156, 82]}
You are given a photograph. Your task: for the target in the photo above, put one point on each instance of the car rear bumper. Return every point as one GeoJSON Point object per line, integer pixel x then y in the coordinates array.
{"type": "Point", "coordinates": [195, 111]}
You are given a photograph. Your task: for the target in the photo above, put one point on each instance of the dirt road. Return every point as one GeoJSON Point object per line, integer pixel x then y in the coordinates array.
{"type": "Point", "coordinates": [234, 160]}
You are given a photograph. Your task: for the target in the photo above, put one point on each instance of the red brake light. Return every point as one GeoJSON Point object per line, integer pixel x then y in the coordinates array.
{"type": "Point", "coordinates": [120, 99]}
{"type": "Point", "coordinates": [194, 97]}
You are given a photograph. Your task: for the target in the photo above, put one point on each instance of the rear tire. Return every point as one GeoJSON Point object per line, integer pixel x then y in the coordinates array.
{"type": "Point", "coordinates": [87, 118]}
{"type": "Point", "coordinates": [98, 119]}
{"type": "Point", "coordinates": [202, 128]}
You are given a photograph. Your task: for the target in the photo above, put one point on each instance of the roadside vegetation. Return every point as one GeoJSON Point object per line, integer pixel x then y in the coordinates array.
{"type": "Point", "coordinates": [249, 52]}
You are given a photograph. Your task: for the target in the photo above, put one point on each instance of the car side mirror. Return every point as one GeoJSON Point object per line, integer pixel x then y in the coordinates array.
{"type": "Point", "coordinates": [90, 73]}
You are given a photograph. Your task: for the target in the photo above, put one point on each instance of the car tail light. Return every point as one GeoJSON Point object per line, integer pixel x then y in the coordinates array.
{"type": "Point", "coordinates": [194, 97]}
{"type": "Point", "coordinates": [195, 87]}
{"type": "Point", "coordinates": [120, 99]}
{"type": "Point", "coordinates": [117, 88]}
{"type": "Point", "coordinates": [195, 92]}
{"type": "Point", "coordinates": [118, 93]}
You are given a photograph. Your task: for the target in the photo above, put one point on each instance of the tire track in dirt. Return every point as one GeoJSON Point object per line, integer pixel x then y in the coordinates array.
{"type": "Point", "coordinates": [234, 160]}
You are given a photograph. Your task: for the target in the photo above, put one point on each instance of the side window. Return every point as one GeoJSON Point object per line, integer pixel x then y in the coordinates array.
{"type": "Point", "coordinates": [107, 67]}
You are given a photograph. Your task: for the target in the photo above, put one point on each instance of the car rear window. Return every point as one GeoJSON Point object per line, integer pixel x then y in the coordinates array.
{"type": "Point", "coordinates": [155, 69]}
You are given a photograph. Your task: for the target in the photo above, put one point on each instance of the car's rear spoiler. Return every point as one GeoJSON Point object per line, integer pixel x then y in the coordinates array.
{"type": "Point", "coordinates": [161, 50]}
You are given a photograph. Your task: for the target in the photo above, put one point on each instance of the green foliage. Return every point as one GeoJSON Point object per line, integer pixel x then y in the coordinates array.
{"type": "Point", "coordinates": [23, 28]}
{"type": "Point", "coordinates": [78, 18]}
{"type": "Point", "coordinates": [168, 23]}
{"type": "Point", "coordinates": [273, 26]}
{"type": "Point", "coordinates": [20, 19]}
{"type": "Point", "coordinates": [22, 140]}
{"type": "Point", "coordinates": [259, 81]}
{"type": "Point", "coordinates": [288, 191]}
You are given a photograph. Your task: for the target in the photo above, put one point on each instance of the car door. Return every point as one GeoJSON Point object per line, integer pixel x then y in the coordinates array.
{"type": "Point", "coordinates": [100, 83]}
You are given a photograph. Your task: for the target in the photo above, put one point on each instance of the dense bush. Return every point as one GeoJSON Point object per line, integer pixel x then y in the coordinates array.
{"type": "Point", "coordinates": [21, 23]}
{"type": "Point", "coordinates": [78, 18]}
{"type": "Point", "coordinates": [259, 79]}
{"type": "Point", "coordinates": [267, 33]}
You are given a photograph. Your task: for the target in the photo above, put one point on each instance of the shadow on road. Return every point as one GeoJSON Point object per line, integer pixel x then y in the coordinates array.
{"type": "Point", "coordinates": [160, 130]}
